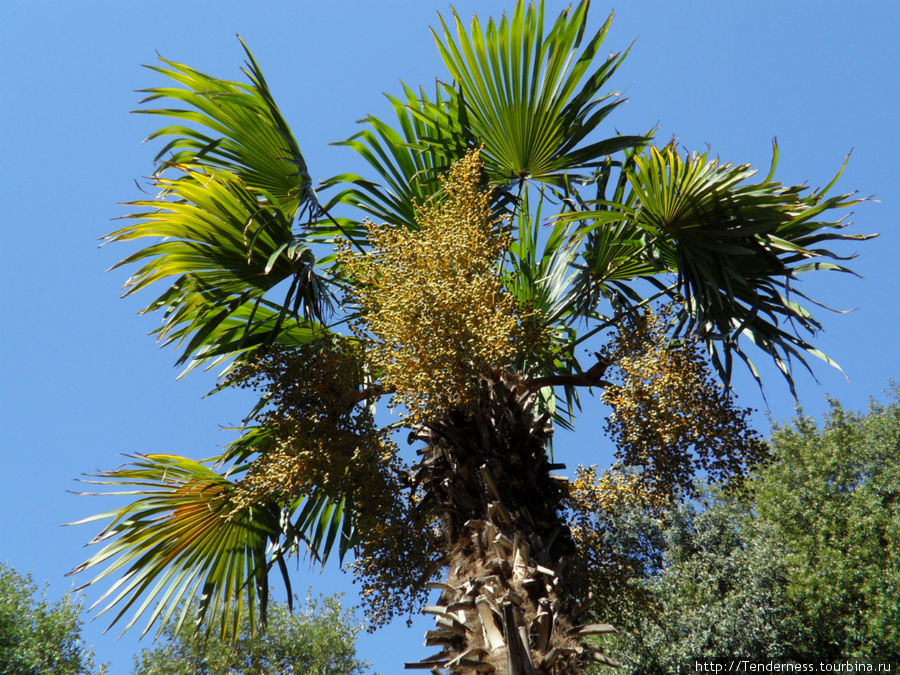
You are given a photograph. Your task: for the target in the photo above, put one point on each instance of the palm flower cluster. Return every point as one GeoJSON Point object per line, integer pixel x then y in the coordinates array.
{"type": "Point", "coordinates": [397, 553]}
{"type": "Point", "coordinates": [669, 415]}
{"type": "Point", "coordinates": [610, 490]}
{"type": "Point", "coordinates": [312, 439]}
{"type": "Point", "coordinates": [316, 439]}
{"type": "Point", "coordinates": [433, 307]}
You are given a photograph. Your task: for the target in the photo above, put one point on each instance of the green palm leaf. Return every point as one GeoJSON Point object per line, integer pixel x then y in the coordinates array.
{"type": "Point", "coordinates": [186, 537]}
{"type": "Point", "coordinates": [225, 250]}
{"type": "Point", "coordinates": [246, 328]}
{"type": "Point", "coordinates": [532, 99]}
{"type": "Point", "coordinates": [317, 520]}
{"type": "Point", "coordinates": [541, 265]}
{"type": "Point", "coordinates": [540, 277]}
{"type": "Point", "coordinates": [230, 189]}
{"type": "Point", "coordinates": [520, 94]}
{"type": "Point", "coordinates": [245, 132]}
{"type": "Point", "coordinates": [182, 538]}
{"type": "Point", "coordinates": [735, 246]}
{"type": "Point", "coordinates": [322, 521]}
{"type": "Point", "coordinates": [408, 166]}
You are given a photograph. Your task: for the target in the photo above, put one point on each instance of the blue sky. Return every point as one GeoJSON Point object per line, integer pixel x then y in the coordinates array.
{"type": "Point", "coordinates": [81, 383]}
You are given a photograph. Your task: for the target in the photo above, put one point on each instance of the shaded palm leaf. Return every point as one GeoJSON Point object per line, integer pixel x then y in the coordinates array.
{"type": "Point", "coordinates": [532, 99]}
{"type": "Point", "coordinates": [612, 248]}
{"type": "Point", "coordinates": [541, 264]}
{"type": "Point", "coordinates": [321, 522]}
{"type": "Point", "coordinates": [246, 328]}
{"type": "Point", "coordinates": [735, 246]}
{"type": "Point", "coordinates": [540, 277]}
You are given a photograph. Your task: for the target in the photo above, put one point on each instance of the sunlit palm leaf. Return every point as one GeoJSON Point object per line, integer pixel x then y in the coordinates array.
{"type": "Point", "coordinates": [736, 247]}
{"type": "Point", "coordinates": [225, 251]}
{"type": "Point", "coordinates": [611, 249]}
{"type": "Point", "coordinates": [183, 538]}
{"type": "Point", "coordinates": [232, 181]}
{"type": "Point", "coordinates": [532, 99]}
{"type": "Point", "coordinates": [540, 277]}
{"type": "Point", "coordinates": [523, 95]}
{"type": "Point", "coordinates": [245, 132]}
{"type": "Point", "coordinates": [223, 237]}
{"type": "Point", "coordinates": [541, 264]}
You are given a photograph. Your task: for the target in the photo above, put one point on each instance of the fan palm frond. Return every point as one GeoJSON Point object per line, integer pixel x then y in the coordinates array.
{"type": "Point", "coordinates": [236, 127]}
{"type": "Point", "coordinates": [187, 536]}
{"type": "Point", "coordinates": [226, 250]}
{"type": "Point", "coordinates": [532, 98]}
{"type": "Point", "coordinates": [183, 538]}
{"type": "Point", "coordinates": [735, 247]}
{"type": "Point", "coordinates": [408, 166]}
{"type": "Point", "coordinates": [231, 184]}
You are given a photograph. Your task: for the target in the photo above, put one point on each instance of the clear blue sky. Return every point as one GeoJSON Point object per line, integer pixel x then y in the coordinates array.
{"type": "Point", "coordinates": [79, 380]}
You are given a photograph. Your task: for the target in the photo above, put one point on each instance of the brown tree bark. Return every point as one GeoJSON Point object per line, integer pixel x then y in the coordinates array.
{"type": "Point", "coordinates": [504, 606]}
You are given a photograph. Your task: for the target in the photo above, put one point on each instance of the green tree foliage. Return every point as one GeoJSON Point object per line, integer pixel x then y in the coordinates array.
{"type": "Point", "coordinates": [37, 636]}
{"type": "Point", "coordinates": [720, 589]}
{"type": "Point", "coordinates": [318, 638]}
{"type": "Point", "coordinates": [801, 564]}
{"type": "Point", "coordinates": [831, 497]}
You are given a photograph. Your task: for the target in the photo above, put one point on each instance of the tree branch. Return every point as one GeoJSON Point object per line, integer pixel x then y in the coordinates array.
{"type": "Point", "coordinates": [590, 378]}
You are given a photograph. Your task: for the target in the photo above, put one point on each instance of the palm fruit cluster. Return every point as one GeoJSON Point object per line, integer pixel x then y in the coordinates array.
{"type": "Point", "coordinates": [433, 308]}
{"type": "Point", "coordinates": [669, 414]}
{"type": "Point", "coordinates": [312, 438]}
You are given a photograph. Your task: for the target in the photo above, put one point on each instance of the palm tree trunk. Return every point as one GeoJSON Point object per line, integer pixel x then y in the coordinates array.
{"type": "Point", "coordinates": [504, 606]}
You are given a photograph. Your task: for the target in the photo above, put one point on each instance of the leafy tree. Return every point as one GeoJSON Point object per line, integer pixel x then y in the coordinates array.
{"type": "Point", "coordinates": [800, 565]}
{"type": "Point", "coordinates": [37, 636]}
{"type": "Point", "coordinates": [320, 639]}
{"type": "Point", "coordinates": [831, 498]}
{"type": "Point", "coordinates": [465, 314]}
{"type": "Point", "coordinates": [718, 588]}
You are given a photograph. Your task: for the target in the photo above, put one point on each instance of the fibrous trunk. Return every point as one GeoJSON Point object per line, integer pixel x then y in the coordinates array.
{"type": "Point", "coordinates": [504, 606]}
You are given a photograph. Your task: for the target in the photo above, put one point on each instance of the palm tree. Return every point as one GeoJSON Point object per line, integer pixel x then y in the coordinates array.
{"type": "Point", "coordinates": [463, 313]}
